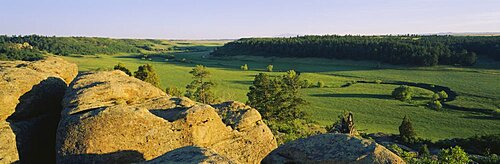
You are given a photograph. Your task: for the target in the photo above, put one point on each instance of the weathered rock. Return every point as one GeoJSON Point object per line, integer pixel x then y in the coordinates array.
{"type": "Point", "coordinates": [108, 112]}
{"type": "Point", "coordinates": [30, 106]}
{"type": "Point", "coordinates": [191, 154]}
{"type": "Point", "coordinates": [332, 148]}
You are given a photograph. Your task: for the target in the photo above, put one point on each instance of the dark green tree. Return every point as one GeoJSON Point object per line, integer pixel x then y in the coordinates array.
{"type": "Point", "coordinates": [147, 73]}
{"type": "Point", "coordinates": [406, 131]}
{"type": "Point", "coordinates": [200, 89]}
{"type": "Point", "coordinates": [269, 68]}
{"type": "Point", "coordinates": [424, 151]}
{"type": "Point", "coordinates": [403, 93]}
{"type": "Point", "coordinates": [277, 98]}
{"type": "Point", "coordinates": [122, 67]}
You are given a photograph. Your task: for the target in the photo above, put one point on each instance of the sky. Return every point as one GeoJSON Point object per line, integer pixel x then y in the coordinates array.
{"type": "Point", "coordinates": [231, 19]}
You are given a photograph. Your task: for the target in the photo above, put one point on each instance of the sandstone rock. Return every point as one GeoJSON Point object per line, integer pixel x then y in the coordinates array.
{"type": "Point", "coordinates": [109, 112]}
{"type": "Point", "coordinates": [30, 105]}
{"type": "Point", "coordinates": [332, 148]}
{"type": "Point", "coordinates": [191, 154]}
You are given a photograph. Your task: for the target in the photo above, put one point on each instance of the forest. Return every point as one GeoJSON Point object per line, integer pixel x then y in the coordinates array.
{"type": "Point", "coordinates": [413, 50]}
{"type": "Point", "coordinates": [30, 47]}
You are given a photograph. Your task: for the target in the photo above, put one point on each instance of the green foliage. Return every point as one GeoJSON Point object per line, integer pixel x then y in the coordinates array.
{"type": "Point", "coordinates": [292, 130]}
{"type": "Point", "coordinates": [121, 67]}
{"type": "Point", "coordinates": [406, 131]}
{"type": "Point", "coordinates": [404, 50]}
{"type": "Point", "coordinates": [489, 159]}
{"type": "Point", "coordinates": [199, 89]}
{"type": "Point", "coordinates": [278, 98]}
{"type": "Point", "coordinates": [321, 84]}
{"type": "Point", "coordinates": [173, 91]}
{"type": "Point", "coordinates": [406, 156]}
{"type": "Point", "coordinates": [403, 93]}
{"type": "Point", "coordinates": [269, 68]}
{"type": "Point", "coordinates": [378, 81]}
{"type": "Point", "coordinates": [306, 84]}
{"type": "Point", "coordinates": [435, 104]}
{"type": "Point", "coordinates": [147, 73]}
{"type": "Point", "coordinates": [424, 151]}
{"type": "Point", "coordinates": [453, 155]}
{"type": "Point", "coordinates": [17, 51]}
{"type": "Point", "coordinates": [484, 145]}
{"type": "Point", "coordinates": [435, 96]}
{"type": "Point", "coordinates": [244, 67]}
{"type": "Point", "coordinates": [442, 95]}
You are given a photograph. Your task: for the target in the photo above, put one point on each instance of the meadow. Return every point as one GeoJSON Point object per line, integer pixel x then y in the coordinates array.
{"type": "Point", "coordinates": [373, 107]}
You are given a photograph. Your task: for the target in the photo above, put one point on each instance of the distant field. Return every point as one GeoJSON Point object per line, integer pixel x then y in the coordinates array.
{"type": "Point", "coordinates": [374, 110]}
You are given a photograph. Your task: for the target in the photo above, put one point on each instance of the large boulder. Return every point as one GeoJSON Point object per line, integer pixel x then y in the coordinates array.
{"type": "Point", "coordinates": [30, 106]}
{"type": "Point", "coordinates": [191, 154]}
{"type": "Point", "coordinates": [332, 148]}
{"type": "Point", "coordinates": [111, 117]}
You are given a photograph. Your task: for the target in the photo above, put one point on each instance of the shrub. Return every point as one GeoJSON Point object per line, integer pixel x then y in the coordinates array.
{"type": "Point", "coordinates": [378, 81]}
{"type": "Point", "coordinates": [244, 67]}
{"type": "Point", "coordinates": [406, 131]}
{"type": "Point", "coordinates": [122, 67]}
{"type": "Point", "coordinates": [424, 151]}
{"type": "Point", "coordinates": [435, 104]}
{"type": "Point", "coordinates": [442, 95]}
{"type": "Point", "coordinates": [269, 68]}
{"type": "Point", "coordinates": [147, 73]}
{"type": "Point", "coordinates": [306, 84]}
{"type": "Point", "coordinates": [321, 84]}
{"type": "Point", "coordinates": [403, 93]}
{"type": "Point", "coordinates": [453, 155]}
{"type": "Point", "coordinates": [173, 91]}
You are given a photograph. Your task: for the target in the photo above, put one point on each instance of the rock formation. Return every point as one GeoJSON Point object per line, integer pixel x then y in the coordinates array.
{"type": "Point", "coordinates": [332, 148]}
{"type": "Point", "coordinates": [111, 117]}
{"type": "Point", "coordinates": [191, 154]}
{"type": "Point", "coordinates": [30, 96]}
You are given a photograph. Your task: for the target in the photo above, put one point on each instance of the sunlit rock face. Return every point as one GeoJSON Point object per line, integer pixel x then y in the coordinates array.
{"type": "Point", "coordinates": [30, 106]}
{"type": "Point", "coordinates": [111, 117]}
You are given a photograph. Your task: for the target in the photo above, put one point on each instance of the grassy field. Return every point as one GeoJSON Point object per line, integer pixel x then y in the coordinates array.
{"type": "Point", "coordinates": [374, 109]}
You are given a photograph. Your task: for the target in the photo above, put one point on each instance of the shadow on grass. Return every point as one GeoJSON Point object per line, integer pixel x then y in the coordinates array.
{"type": "Point", "coordinates": [244, 82]}
{"type": "Point", "coordinates": [483, 117]}
{"type": "Point", "coordinates": [352, 95]}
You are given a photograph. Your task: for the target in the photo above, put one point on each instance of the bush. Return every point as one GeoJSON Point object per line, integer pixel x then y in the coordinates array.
{"type": "Point", "coordinates": [378, 81]}
{"type": "Point", "coordinates": [403, 93]}
{"type": "Point", "coordinates": [435, 104]}
{"type": "Point", "coordinates": [321, 84]}
{"type": "Point", "coordinates": [406, 131]}
{"type": "Point", "coordinates": [173, 91]}
{"type": "Point", "coordinates": [122, 67]}
{"type": "Point", "coordinates": [453, 155]}
{"type": "Point", "coordinates": [306, 84]}
{"type": "Point", "coordinates": [442, 95]}
{"type": "Point", "coordinates": [424, 151]}
{"type": "Point", "coordinates": [244, 67]}
{"type": "Point", "coordinates": [147, 73]}
{"type": "Point", "coordinates": [269, 68]}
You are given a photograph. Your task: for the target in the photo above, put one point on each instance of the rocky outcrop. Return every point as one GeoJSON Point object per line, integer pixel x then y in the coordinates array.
{"type": "Point", "coordinates": [30, 96]}
{"type": "Point", "coordinates": [111, 117]}
{"type": "Point", "coordinates": [332, 148]}
{"type": "Point", "coordinates": [191, 154]}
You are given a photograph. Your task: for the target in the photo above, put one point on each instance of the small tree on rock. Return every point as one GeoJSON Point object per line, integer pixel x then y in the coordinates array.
{"type": "Point", "coordinates": [173, 91]}
{"type": "Point", "coordinates": [406, 131]}
{"type": "Point", "coordinates": [122, 67]}
{"type": "Point", "coordinates": [200, 89]}
{"type": "Point", "coordinates": [345, 125]}
{"type": "Point", "coordinates": [147, 73]}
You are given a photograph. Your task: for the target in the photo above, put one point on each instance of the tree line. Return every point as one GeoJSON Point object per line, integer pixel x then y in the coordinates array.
{"type": "Point", "coordinates": [72, 45]}
{"type": "Point", "coordinates": [413, 50]}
